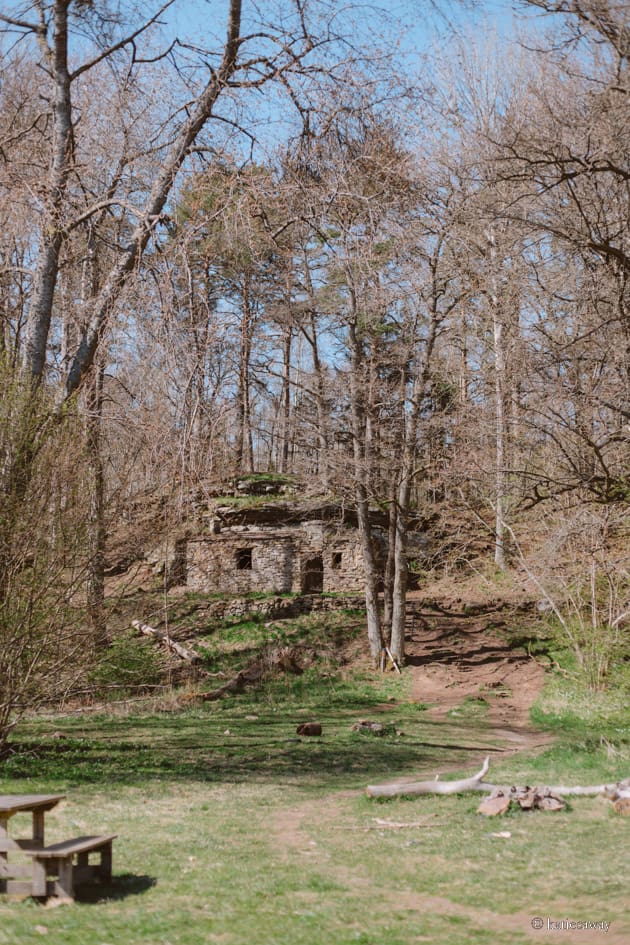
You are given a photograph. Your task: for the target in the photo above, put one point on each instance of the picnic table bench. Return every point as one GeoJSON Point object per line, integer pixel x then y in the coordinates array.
{"type": "Point", "coordinates": [57, 860]}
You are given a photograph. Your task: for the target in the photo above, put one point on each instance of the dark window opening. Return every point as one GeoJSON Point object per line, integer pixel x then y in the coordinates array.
{"type": "Point", "coordinates": [244, 559]}
{"type": "Point", "coordinates": [335, 562]}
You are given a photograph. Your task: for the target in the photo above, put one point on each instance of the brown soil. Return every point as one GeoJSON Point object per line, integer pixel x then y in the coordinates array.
{"type": "Point", "coordinates": [462, 652]}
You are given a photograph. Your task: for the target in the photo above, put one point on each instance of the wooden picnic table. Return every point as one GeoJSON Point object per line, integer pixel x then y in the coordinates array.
{"type": "Point", "coordinates": [13, 876]}
{"type": "Point", "coordinates": [49, 870]}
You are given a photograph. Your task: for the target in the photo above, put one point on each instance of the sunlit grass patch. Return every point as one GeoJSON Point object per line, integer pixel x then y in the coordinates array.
{"type": "Point", "coordinates": [471, 707]}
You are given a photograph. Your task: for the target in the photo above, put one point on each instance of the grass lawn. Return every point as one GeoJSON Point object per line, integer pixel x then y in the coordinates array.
{"type": "Point", "coordinates": [232, 830]}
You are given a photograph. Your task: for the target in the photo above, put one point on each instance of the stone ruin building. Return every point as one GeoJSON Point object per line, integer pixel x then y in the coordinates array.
{"type": "Point", "coordinates": [282, 547]}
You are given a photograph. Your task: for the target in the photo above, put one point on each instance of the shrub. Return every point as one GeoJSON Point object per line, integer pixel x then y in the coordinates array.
{"type": "Point", "coordinates": [128, 664]}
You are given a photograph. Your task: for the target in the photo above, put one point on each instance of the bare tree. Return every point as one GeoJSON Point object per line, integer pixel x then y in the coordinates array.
{"type": "Point", "coordinates": [70, 43]}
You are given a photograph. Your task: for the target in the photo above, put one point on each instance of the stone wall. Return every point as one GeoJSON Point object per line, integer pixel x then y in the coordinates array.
{"type": "Point", "coordinates": [239, 564]}
{"type": "Point", "coordinates": [281, 608]}
{"type": "Point", "coordinates": [308, 559]}
{"type": "Point", "coordinates": [343, 564]}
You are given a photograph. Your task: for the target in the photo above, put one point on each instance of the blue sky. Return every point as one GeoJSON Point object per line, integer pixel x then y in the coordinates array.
{"type": "Point", "coordinates": [416, 22]}
{"type": "Point", "coordinates": [419, 27]}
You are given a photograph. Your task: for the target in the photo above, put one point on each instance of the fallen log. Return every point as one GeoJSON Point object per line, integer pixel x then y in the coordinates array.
{"type": "Point", "coordinates": [398, 788]}
{"type": "Point", "coordinates": [476, 783]}
{"type": "Point", "coordinates": [284, 659]}
{"type": "Point", "coordinates": [162, 636]}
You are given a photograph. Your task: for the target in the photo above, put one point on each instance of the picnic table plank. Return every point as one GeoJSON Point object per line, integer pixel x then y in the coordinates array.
{"type": "Point", "coordinates": [70, 847]}
{"type": "Point", "coordinates": [15, 803]}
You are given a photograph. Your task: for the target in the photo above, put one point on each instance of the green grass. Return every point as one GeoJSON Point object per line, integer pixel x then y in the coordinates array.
{"type": "Point", "coordinates": [233, 830]}
{"type": "Point", "coordinates": [247, 738]}
{"type": "Point", "coordinates": [226, 644]}
{"type": "Point", "coordinates": [235, 641]}
{"type": "Point", "coordinates": [475, 707]}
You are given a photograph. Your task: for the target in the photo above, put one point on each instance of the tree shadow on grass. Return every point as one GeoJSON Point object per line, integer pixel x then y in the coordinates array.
{"type": "Point", "coordinates": [230, 747]}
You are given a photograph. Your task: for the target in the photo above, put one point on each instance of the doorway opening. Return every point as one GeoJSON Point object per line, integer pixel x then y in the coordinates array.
{"type": "Point", "coordinates": [313, 575]}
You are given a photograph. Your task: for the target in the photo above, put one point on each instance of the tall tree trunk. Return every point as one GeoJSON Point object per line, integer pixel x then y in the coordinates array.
{"type": "Point", "coordinates": [408, 459]}
{"type": "Point", "coordinates": [51, 238]}
{"type": "Point", "coordinates": [323, 435]}
{"type": "Point", "coordinates": [96, 512]}
{"type": "Point", "coordinates": [498, 334]}
{"type": "Point", "coordinates": [390, 565]}
{"type": "Point", "coordinates": [361, 451]}
{"type": "Point", "coordinates": [311, 335]}
{"type": "Point", "coordinates": [18, 470]}
{"type": "Point", "coordinates": [244, 447]}
{"type": "Point", "coordinates": [95, 590]}
{"type": "Point", "coordinates": [500, 436]}
{"type": "Point", "coordinates": [286, 399]}
{"type": "Point", "coordinates": [375, 637]}
{"type": "Point", "coordinates": [463, 362]}
{"type": "Point", "coordinates": [399, 602]}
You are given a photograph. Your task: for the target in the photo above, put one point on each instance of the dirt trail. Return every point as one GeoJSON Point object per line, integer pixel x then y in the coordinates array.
{"type": "Point", "coordinates": [462, 652]}
{"type": "Point", "coordinates": [454, 655]}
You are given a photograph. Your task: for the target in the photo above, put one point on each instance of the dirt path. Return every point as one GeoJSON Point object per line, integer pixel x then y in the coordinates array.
{"type": "Point", "coordinates": [454, 656]}
{"type": "Point", "coordinates": [462, 653]}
